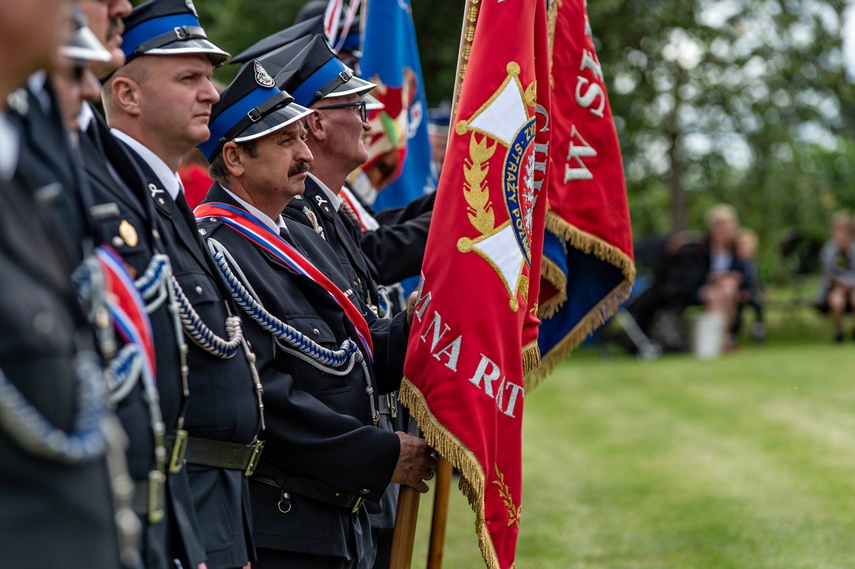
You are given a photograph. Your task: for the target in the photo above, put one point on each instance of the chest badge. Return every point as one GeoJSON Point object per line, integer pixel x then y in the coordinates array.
{"type": "Point", "coordinates": [128, 233]}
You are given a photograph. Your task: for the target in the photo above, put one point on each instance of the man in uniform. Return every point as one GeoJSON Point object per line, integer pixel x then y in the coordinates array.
{"type": "Point", "coordinates": [54, 483]}
{"type": "Point", "coordinates": [120, 215]}
{"type": "Point", "coordinates": [158, 104]}
{"type": "Point", "coordinates": [322, 353]}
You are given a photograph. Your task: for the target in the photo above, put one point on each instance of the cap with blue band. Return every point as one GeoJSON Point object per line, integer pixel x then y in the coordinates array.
{"type": "Point", "coordinates": [167, 27]}
{"type": "Point", "coordinates": [316, 73]}
{"type": "Point", "coordinates": [250, 107]}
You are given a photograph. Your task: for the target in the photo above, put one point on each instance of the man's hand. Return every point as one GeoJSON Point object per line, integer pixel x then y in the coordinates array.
{"type": "Point", "coordinates": [411, 308]}
{"type": "Point", "coordinates": [415, 463]}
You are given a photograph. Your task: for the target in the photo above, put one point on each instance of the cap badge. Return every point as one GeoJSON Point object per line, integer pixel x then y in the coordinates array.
{"type": "Point", "coordinates": [262, 77]}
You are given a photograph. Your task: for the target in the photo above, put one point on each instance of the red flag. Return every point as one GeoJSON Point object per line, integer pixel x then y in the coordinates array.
{"type": "Point", "coordinates": [588, 264]}
{"type": "Point", "coordinates": [472, 338]}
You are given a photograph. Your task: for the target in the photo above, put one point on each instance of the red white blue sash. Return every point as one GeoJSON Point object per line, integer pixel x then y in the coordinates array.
{"type": "Point", "coordinates": [126, 306]}
{"type": "Point", "coordinates": [365, 219]}
{"type": "Point", "coordinates": [259, 234]}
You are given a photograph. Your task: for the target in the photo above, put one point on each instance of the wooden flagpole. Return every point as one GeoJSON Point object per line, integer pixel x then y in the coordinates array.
{"type": "Point", "coordinates": [440, 514]}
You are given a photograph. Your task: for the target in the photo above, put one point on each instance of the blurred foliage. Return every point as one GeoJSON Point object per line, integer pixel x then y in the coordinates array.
{"type": "Point", "coordinates": [741, 101]}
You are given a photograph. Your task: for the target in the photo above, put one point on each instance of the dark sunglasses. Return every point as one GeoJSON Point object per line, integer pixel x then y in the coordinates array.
{"type": "Point", "coordinates": [359, 106]}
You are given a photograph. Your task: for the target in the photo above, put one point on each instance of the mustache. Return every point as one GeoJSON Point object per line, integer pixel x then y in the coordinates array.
{"type": "Point", "coordinates": [117, 26]}
{"type": "Point", "coordinates": [298, 168]}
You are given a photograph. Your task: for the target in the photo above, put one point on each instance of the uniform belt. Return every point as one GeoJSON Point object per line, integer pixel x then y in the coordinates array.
{"type": "Point", "coordinates": [314, 489]}
{"type": "Point", "coordinates": [220, 454]}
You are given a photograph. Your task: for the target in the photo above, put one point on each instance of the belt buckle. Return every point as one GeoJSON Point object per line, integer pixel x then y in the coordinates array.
{"type": "Point", "coordinates": [179, 448]}
{"type": "Point", "coordinates": [156, 497]}
{"type": "Point", "coordinates": [257, 447]}
{"type": "Point", "coordinates": [357, 505]}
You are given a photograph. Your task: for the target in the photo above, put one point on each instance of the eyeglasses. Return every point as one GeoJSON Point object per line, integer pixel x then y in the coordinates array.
{"type": "Point", "coordinates": [359, 106]}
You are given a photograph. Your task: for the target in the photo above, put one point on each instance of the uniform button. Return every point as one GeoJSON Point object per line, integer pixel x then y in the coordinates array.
{"type": "Point", "coordinates": [155, 233]}
{"type": "Point", "coordinates": [365, 491]}
{"type": "Point", "coordinates": [316, 332]}
{"type": "Point", "coordinates": [44, 323]}
{"type": "Point", "coordinates": [198, 290]}
{"type": "Point", "coordinates": [117, 241]}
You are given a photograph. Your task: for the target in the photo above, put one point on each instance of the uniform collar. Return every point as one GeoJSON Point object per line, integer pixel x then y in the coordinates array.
{"type": "Point", "coordinates": [86, 117]}
{"type": "Point", "coordinates": [10, 148]}
{"type": "Point", "coordinates": [37, 83]}
{"type": "Point", "coordinates": [169, 179]}
{"type": "Point", "coordinates": [274, 224]}
{"type": "Point", "coordinates": [332, 196]}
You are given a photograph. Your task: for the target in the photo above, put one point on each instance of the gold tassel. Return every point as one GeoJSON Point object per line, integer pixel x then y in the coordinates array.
{"type": "Point", "coordinates": [531, 357]}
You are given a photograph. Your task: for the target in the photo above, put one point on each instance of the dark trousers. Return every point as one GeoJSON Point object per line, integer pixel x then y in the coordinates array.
{"type": "Point", "coordinates": [275, 559]}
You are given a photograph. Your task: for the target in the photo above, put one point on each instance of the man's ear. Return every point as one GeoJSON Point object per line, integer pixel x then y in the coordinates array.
{"type": "Point", "coordinates": [233, 158]}
{"type": "Point", "coordinates": [126, 95]}
{"type": "Point", "coordinates": [315, 126]}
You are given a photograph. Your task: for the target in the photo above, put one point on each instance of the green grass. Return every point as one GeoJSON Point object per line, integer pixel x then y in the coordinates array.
{"type": "Point", "coordinates": [744, 462]}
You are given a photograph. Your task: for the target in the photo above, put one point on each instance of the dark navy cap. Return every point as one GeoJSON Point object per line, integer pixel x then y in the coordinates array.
{"type": "Point", "coordinates": [82, 44]}
{"type": "Point", "coordinates": [316, 73]}
{"type": "Point", "coordinates": [250, 107]}
{"type": "Point", "coordinates": [168, 27]}
{"type": "Point", "coordinates": [281, 57]}
{"type": "Point", "coordinates": [304, 30]}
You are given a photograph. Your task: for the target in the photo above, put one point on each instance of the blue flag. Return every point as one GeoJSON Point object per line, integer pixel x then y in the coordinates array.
{"type": "Point", "coordinates": [390, 58]}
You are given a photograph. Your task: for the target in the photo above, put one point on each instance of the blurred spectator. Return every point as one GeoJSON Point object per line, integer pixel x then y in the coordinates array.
{"type": "Point", "coordinates": [750, 290]}
{"type": "Point", "coordinates": [194, 177]}
{"type": "Point", "coordinates": [837, 292]}
{"type": "Point", "coordinates": [440, 118]}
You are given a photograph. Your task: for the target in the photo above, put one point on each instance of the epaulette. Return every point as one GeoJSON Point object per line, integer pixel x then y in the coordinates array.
{"type": "Point", "coordinates": [208, 225]}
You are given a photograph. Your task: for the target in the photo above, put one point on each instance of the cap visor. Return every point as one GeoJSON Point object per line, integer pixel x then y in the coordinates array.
{"type": "Point", "coordinates": [83, 45]}
{"type": "Point", "coordinates": [372, 103]}
{"type": "Point", "coordinates": [354, 86]}
{"type": "Point", "coordinates": [197, 45]}
{"type": "Point", "coordinates": [280, 118]}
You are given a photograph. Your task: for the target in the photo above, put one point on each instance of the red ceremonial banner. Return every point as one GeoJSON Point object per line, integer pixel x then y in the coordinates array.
{"type": "Point", "coordinates": [474, 333]}
{"type": "Point", "coordinates": [588, 267]}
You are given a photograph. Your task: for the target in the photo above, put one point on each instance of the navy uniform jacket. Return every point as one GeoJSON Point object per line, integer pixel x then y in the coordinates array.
{"type": "Point", "coordinates": [341, 233]}
{"type": "Point", "coordinates": [318, 425]}
{"type": "Point", "coordinates": [397, 247]}
{"type": "Point", "coordinates": [113, 207]}
{"type": "Point", "coordinates": [80, 222]}
{"type": "Point", "coordinates": [51, 514]}
{"type": "Point", "coordinates": [223, 405]}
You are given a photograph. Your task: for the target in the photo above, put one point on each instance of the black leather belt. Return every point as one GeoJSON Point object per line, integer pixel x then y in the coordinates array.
{"type": "Point", "coordinates": [220, 454]}
{"type": "Point", "coordinates": [313, 489]}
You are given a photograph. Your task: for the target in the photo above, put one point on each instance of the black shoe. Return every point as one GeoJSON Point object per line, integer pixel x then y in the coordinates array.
{"type": "Point", "coordinates": [839, 338]}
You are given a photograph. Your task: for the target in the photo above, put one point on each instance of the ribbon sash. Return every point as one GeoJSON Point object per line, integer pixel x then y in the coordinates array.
{"type": "Point", "coordinates": [365, 219]}
{"type": "Point", "coordinates": [126, 306]}
{"type": "Point", "coordinates": [251, 228]}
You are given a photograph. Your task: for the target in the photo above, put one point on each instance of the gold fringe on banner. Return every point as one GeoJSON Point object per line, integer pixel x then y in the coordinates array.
{"type": "Point", "coordinates": [531, 357]}
{"type": "Point", "coordinates": [593, 320]}
{"type": "Point", "coordinates": [550, 272]}
{"type": "Point", "coordinates": [599, 315]}
{"type": "Point", "coordinates": [472, 479]}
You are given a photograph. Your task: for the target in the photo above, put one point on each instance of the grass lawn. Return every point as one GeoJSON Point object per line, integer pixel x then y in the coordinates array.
{"type": "Point", "coordinates": [744, 462]}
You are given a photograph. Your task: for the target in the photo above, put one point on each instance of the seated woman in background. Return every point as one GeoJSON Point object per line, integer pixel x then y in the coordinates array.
{"type": "Point", "coordinates": [837, 293]}
{"type": "Point", "coordinates": [720, 292]}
